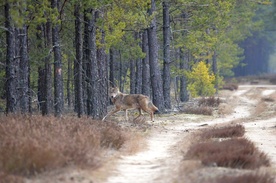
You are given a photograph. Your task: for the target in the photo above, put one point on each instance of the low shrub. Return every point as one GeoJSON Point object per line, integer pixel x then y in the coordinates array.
{"type": "Point", "coordinates": [33, 144]}
{"type": "Point", "coordinates": [223, 132]}
{"type": "Point", "coordinates": [248, 178]}
{"type": "Point", "coordinates": [230, 86]}
{"type": "Point", "coordinates": [233, 153]}
{"type": "Point", "coordinates": [198, 110]}
{"type": "Point", "coordinates": [209, 101]}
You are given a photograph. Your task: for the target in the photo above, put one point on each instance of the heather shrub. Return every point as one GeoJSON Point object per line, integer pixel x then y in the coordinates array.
{"type": "Point", "coordinates": [209, 101]}
{"type": "Point", "coordinates": [233, 153]}
{"type": "Point", "coordinates": [33, 144]}
{"type": "Point", "coordinates": [230, 86]}
{"type": "Point", "coordinates": [248, 178]}
{"type": "Point", "coordinates": [198, 110]}
{"type": "Point", "coordinates": [223, 132]}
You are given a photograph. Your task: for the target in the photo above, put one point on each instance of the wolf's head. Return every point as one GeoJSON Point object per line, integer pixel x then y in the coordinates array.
{"type": "Point", "coordinates": [113, 92]}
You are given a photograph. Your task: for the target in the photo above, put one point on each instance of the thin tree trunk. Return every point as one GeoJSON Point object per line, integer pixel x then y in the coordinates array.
{"type": "Point", "coordinates": [215, 70]}
{"type": "Point", "coordinates": [184, 96]}
{"type": "Point", "coordinates": [11, 78]}
{"type": "Point", "coordinates": [138, 84]}
{"type": "Point", "coordinates": [132, 76]}
{"type": "Point", "coordinates": [145, 66]}
{"type": "Point", "coordinates": [166, 53]}
{"type": "Point", "coordinates": [78, 64]}
{"type": "Point", "coordinates": [58, 82]}
{"type": "Point", "coordinates": [69, 76]}
{"type": "Point", "coordinates": [111, 68]}
{"type": "Point", "coordinates": [24, 71]}
{"type": "Point", "coordinates": [156, 79]}
{"type": "Point", "coordinates": [48, 72]}
{"type": "Point", "coordinates": [103, 81]}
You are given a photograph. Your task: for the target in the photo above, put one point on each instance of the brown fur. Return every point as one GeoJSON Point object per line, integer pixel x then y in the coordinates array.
{"type": "Point", "coordinates": [130, 101]}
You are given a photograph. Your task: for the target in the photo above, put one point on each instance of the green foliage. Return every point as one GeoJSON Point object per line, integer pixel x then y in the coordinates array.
{"type": "Point", "coordinates": [201, 81]}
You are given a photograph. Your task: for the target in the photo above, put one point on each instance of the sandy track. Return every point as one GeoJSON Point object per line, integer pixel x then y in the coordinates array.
{"type": "Point", "coordinates": [159, 161]}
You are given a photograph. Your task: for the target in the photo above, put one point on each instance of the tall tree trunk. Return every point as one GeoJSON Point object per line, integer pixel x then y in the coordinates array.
{"type": "Point", "coordinates": [215, 69]}
{"type": "Point", "coordinates": [184, 96]}
{"type": "Point", "coordinates": [111, 68]}
{"type": "Point", "coordinates": [58, 82]}
{"type": "Point", "coordinates": [121, 86]}
{"type": "Point", "coordinates": [48, 106]}
{"type": "Point", "coordinates": [145, 66]}
{"type": "Point", "coordinates": [78, 64]}
{"type": "Point", "coordinates": [24, 71]}
{"type": "Point", "coordinates": [132, 76]}
{"type": "Point", "coordinates": [156, 79]}
{"type": "Point", "coordinates": [94, 90]}
{"type": "Point", "coordinates": [86, 81]}
{"type": "Point", "coordinates": [69, 76]}
{"type": "Point", "coordinates": [11, 64]}
{"type": "Point", "coordinates": [138, 84]}
{"type": "Point", "coordinates": [166, 53]}
{"type": "Point", "coordinates": [103, 78]}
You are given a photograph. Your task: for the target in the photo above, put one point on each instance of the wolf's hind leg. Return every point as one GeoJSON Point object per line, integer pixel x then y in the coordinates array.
{"type": "Point", "coordinates": [140, 113]}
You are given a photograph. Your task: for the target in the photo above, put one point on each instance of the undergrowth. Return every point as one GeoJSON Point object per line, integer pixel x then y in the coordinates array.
{"type": "Point", "coordinates": [223, 132]}
{"type": "Point", "coordinates": [248, 178]}
{"type": "Point", "coordinates": [233, 151]}
{"type": "Point", "coordinates": [33, 144]}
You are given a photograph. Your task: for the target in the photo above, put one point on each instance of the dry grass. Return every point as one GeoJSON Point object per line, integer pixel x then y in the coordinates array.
{"type": "Point", "coordinates": [209, 102]}
{"type": "Point", "coordinates": [199, 110]}
{"type": "Point", "coordinates": [223, 132]}
{"type": "Point", "coordinates": [248, 178]}
{"type": "Point", "coordinates": [33, 144]}
{"type": "Point", "coordinates": [204, 106]}
{"type": "Point", "coordinates": [234, 153]}
{"type": "Point", "coordinates": [230, 86]}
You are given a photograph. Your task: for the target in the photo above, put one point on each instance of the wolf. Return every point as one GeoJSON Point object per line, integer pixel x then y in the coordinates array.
{"type": "Point", "coordinates": [125, 102]}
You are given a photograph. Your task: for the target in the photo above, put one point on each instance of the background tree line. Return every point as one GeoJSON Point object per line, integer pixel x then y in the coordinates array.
{"type": "Point", "coordinates": [67, 53]}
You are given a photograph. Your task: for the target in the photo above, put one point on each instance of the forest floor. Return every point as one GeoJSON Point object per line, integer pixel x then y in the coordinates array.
{"type": "Point", "coordinates": [163, 157]}
{"type": "Point", "coordinates": [159, 157]}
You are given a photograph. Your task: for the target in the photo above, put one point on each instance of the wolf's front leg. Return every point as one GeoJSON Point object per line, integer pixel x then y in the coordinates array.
{"type": "Point", "coordinates": [117, 109]}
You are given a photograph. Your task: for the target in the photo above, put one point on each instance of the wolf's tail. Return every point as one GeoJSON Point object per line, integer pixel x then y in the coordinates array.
{"type": "Point", "coordinates": [153, 107]}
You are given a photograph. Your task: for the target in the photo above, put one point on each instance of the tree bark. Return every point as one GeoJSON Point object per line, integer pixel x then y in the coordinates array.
{"type": "Point", "coordinates": [111, 68]}
{"type": "Point", "coordinates": [48, 106]}
{"type": "Point", "coordinates": [58, 82]}
{"type": "Point", "coordinates": [184, 96]}
{"type": "Point", "coordinates": [156, 79]}
{"type": "Point", "coordinates": [102, 96]}
{"type": "Point", "coordinates": [11, 64]}
{"type": "Point", "coordinates": [78, 71]}
{"type": "Point", "coordinates": [24, 71]}
{"type": "Point", "coordinates": [145, 66]}
{"type": "Point", "coordinates": [132, 76]}
{"type": "Point", "coordinates": [138, 84]}
{"type": "Point", "coordinates": [166, 54]}
{"type": "Point", "coordinates": [69, 76]}
{"type": "Point", "coordinates": [215, 70]}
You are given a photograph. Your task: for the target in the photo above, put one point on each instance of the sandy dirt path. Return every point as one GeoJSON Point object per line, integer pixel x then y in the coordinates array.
{"type": "Point", "coordinates": [158, 163]}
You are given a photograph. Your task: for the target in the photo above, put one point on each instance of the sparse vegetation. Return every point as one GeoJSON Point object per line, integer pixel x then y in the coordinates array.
{"type": "Point", "coordinates": [234, 153]}
{"type": "Point", "coordinates": [223, 132]}
{"type": "Point", "coordinates": [33, 144]}
{"type": "Point", "coordinates": [198, 110]}
{"type": "Point", "coordinates": [209, 101]}
{"type": "Point", "coordinates": [204, 106]}
{"type": "Point", "coordinates": [248, 178]}
{"type": "Point", "coordinates": [230, 86]}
